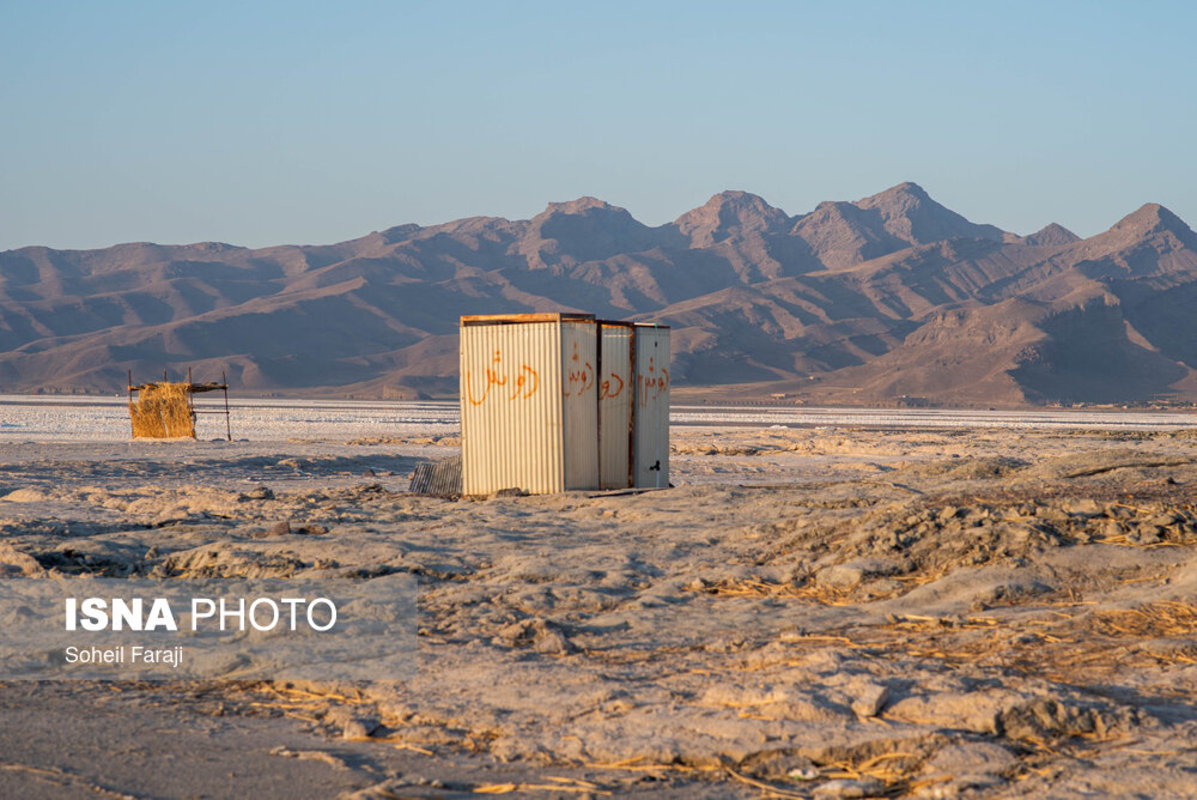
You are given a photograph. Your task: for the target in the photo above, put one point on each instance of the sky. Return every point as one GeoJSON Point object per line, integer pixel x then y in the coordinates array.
{"type": "Point", "coordinates": [260, 123]}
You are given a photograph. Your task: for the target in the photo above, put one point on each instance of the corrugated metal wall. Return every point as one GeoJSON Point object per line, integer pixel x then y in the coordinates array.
{"type": "Point", "coordinates": [579, 395]}
{"type": "Point", "coordinates": [615, 405]}
{"type": "Point", "coordinates": [551, 402]}
{"type": "Point", "coordinates": [651, 438]}
{"type": "Point", "coordinates": [511, 408]}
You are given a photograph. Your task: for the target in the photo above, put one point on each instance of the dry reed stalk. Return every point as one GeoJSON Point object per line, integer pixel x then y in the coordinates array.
{"type": "Point", "coordinates": [756, 587]}
{"type": "Point", "coordinates": [509, 788]}
{"type": "Point", "coordinates": [163, 411]}
{"type": "Point", "coordinates": [1165, 618]}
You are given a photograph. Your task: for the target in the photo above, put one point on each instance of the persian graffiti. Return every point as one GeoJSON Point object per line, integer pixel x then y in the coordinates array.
{"type": "Point", "coordinates": [611, 388]}
{"type": "Point", "coordinates": [522, 383]}
{"type": "Point", "coordinates": [653, 383]}
{"type": "Point", "coordinates": [580, 376]}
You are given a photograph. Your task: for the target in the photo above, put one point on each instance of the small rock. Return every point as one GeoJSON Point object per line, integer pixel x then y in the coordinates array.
{"type": "Point", "coordinates": [970, 758]}
{"type": "Point", "coordinates": [1019, 533]}
{"type": "Point", "coordinates": [539, 634]}
{"type": "Point", "coordinates": [369, 473]}
{"type": "Point", "coordinates": [1083, 508]}
{"type": "Point", "coordinates": [359, 727]}
{"type": "Point", "coordinates": [352, 722]}
{"type": "Point", "coordinates": [1044, 717]}
{"type": "Point", "coordinates": [261, 493]}
{"type": "Point", "coordinates": [870, 700]}
{"type": "Point", "coordinates": [278, 529]}
{"type": "Point", "coordinates": [779, 765]}
{"type": "Point", "coordinates": [853, 573]}
{"type": "Point", "coordinates": [1118, 511]}
{"type": "Point", "coordinates": [844, 787]}
{"type": "Point", "coordinates": [949, 512]}
{"type": "Point", "coordinates": [806, 772]}
{"type": "Point", "coordinates": [1147, 533]}
{"type": "Point", "coordinates": [840, 576]}
{"type": "Point", "coordinates": [1054, 516]}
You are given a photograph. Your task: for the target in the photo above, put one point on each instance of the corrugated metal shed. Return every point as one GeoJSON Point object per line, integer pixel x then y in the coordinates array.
{"type": "Point", "coordinates": [549, 403]}
{"type": "Point", "coordinates": [651, 415]}
{"type": "Point", "coordinates": [579, 394]}
{"type": "Point", "coordinates": [615, 392]}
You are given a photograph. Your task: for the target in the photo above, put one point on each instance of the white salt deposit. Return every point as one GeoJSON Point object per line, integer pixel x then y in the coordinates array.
{"type": "Point", "coordinates": [26, 418]}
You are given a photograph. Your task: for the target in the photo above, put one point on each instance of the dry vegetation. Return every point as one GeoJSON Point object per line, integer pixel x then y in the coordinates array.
{"type": "Point", "coordinates": [809, 614]}
{"type": "Point", "coordinates": [163, 411]}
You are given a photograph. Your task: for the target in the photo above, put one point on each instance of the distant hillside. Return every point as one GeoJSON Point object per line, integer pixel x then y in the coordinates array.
{"type": "Point", "coordinates": [890, 298]}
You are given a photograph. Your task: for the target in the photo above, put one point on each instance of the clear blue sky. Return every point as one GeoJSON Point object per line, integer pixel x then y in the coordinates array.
{"type": "Point", "coordinates": [308, 122]}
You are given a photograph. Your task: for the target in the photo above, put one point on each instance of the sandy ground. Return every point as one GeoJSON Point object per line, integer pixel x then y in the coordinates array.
{"type": "Point", "coordinates": [817, 612]}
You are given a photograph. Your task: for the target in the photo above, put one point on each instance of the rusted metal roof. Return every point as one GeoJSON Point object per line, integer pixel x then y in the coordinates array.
{"type": "Point", "coordinates": [506, 319]}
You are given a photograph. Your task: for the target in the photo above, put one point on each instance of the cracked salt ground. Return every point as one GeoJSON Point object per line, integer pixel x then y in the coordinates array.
{"type": "Point", "coordinates": [937, 614]}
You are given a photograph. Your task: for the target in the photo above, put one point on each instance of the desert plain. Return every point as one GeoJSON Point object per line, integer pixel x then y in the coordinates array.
{"type": "Point", "coordinates": [895, 605]}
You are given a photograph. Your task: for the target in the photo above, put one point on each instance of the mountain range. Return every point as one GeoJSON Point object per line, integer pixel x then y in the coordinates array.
{"type": "Point", "coordinates": [892, 298]}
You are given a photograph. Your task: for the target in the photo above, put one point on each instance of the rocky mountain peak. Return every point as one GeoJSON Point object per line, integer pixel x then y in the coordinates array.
{"type": "Point", "coordinates": [727, 214]}
{"type": "Point", "coordinates": [1051, 235]}
{"type": "Point", "coordinates": [1150, 229]}
{"type": "Point", "coordinates": [581, 206]}
{"type": "Point", "coordinates": [399, 233]}
{"type": "Point", "coordinates": [910, 214]}
{"type": "Point", "coordinates": [907, 194]}
{"type": "Point", "coordinates": [1152, 218]}
{"type": "Point", "coordinates": [586, 229]}
{"type": "Point", "coordinates": [584, 216]}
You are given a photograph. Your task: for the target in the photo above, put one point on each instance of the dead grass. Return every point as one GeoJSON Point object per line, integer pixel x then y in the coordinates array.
{"type": "Point", "coordinates": [757, 587]}
{"type": "Point", "coordinates": [1153, 620]}
{"type": "Point", "coordinates": [163, 411]}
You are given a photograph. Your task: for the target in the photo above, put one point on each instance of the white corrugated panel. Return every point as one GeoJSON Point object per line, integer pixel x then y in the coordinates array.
{"type": "Point", "coordinates": [615, 405]}
{"type": "Point", "coordinates": [579, 396]}
{"type": "Point", "coordinates": [551, 402]}
{"type": "Point", "coordinates": [651, 417]}
{"type": "Point", "coordinates": [511, 407]}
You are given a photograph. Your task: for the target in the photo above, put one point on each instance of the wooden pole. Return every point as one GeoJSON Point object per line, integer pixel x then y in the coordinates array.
{"type": "Point", "coordinates": [228, 428]}
{"type": "Point", "coordinates": [191, 403]}
{"type": "Point", "coordinates": [132, 430]}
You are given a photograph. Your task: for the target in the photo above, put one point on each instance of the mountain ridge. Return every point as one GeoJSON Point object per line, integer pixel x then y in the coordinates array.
{"type": "Point", "coordinates": [890, 298]}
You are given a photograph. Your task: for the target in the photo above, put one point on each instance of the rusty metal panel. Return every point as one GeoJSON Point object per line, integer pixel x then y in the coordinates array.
{"type": "Point", "coordinates": [579, 395]}
{"type": "Point", "coordinates": [651, 415]}
{"type": "Point", "coordinates": [511, 408]}
{"type": "Point", "coordinates": [615, 405]}
{"type": "Point", "coordinates": [516, 319]}
{"type": "Point", "coordinates": [440, 478]}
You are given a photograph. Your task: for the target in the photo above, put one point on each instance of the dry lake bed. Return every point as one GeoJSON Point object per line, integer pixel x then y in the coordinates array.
{"type": "Point", "coordinates": [829, 603]}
